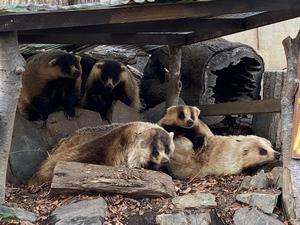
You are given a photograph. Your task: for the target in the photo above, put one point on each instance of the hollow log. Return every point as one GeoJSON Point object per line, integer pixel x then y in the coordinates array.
{"type": "Point", "coordinates": [291, 176]}
{"type": "Point", "coordinates": [11, 67]}
{"type": "Point", "coordinates": [71, 177]}
{"type": "Point", "coordinates": [173, 79]}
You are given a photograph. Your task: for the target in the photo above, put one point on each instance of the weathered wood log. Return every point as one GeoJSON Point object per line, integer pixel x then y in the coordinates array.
{"type": "Point", "coordinates": [11, 67]}
{"type": "Point", "coordinates": [291, 177]}
{"type": "Point", "coordinates": [71, 177]}
{"type": "Point", "coordinates": [174, 84]}
{"type": "Point", "coordinates": [237, 67]}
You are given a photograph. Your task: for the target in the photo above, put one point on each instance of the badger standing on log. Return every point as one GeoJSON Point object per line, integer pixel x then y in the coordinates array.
{"type": "Point", "coordinates": [136, 144]}
{"type": "Point", "coordinates": [184, 121]}
{"type": "Point", "coordinates": [51, 79]}
{"type": "Point", "coordinates": [110, 81]}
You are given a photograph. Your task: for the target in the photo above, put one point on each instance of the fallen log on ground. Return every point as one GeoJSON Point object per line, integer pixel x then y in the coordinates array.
{"type": "Point", "coordinates": [73, 177]}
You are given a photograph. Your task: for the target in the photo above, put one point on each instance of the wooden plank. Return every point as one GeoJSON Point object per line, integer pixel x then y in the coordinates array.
{"type": "Point", "coordinates": [177, 25]}
{"type": "Point", "coordinates": [11, 64]}
{"type": "Point", "coordinates": [291, 185]}
{"type": "Point", "coordinates": [137, 39]}
{"type": "Point", "coordinates": [73, 177]}
{"type": "Point", "coordinates": [251, 22]}
{"type": "Point", "coordinates": [296, 120]}
{"type": "Point", "coordinates": [240, 107]}
{"type": "Point", "coordinates": [138, 13]}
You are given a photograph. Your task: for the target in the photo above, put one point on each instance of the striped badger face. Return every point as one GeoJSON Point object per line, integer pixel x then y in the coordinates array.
{"type": "Point", "coordinates": [181, 116]}
{"type": "Point", "coordinates": [111, 73]}
{"type": "Point", "coordinates": [67, 65]}
{"type": "Point", "coordinates": [153, 150]}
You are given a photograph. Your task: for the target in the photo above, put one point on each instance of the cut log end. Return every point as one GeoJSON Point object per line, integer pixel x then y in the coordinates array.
{"type": "Point", "coordinates": [71, 177]}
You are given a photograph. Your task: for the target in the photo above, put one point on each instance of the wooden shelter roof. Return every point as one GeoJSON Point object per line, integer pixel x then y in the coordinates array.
{"type": "Point", "coordinates": [151, 23]}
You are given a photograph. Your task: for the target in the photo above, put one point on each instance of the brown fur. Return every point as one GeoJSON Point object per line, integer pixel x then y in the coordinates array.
{"type": "Point", "coordinates": [39, 70]}
{"type": "Point", "coordinates": [223, 155]}
{"type": "Point", "coordinates": [130, 88]}
{"type": "Point", "coordinates": [130, 145]}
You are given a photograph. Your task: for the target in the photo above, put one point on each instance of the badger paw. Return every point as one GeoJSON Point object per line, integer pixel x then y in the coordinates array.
{"type": "Point", "coordinates": [199, 142]}
{"type": "Point", "coordinates": [69, 114]}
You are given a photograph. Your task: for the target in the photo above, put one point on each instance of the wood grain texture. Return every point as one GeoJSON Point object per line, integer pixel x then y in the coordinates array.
{"type": "Point", "coordinates": [71, 177]}
{"type": "Point", "coordinates": [241, 107]}
{"type": "Point", "coordinates": [11, 66]}
{"type": "Point", "coordinates": [174, 84]}
{"type": "Point", "coordinates": [291, 184]}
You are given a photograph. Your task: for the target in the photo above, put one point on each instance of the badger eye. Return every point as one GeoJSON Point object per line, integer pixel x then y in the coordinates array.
{"type": "Point", "coordinates": [181, 115]}
{"type": "Point", "coordinates": [167, 149]}
{"type": "Point", "coordinates": [263, 151]}
{"type": "Point", "coordinates": [154, 152]}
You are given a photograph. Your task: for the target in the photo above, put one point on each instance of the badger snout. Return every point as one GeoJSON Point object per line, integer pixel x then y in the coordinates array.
{"type": "Point", "coordinates": [277, 155]}
{"type": "Point", "coordinates": [164, 161]}
{"type": "Point", "coordinates": [76, 73]}
{"type": "Point", "coordinates": [190, 123]}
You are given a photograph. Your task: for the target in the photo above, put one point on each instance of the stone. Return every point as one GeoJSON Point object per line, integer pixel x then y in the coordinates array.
{"type": "Point", "coordinates": [195, 200]}
{"type": "Point", "coordinates": [58, 126]}
{"type": "Point", "coordinates": [121, 113]}
{"type": "Point", "coordinates": [28, 149]}
{"type": "Point", "coordinates": [19, 213]}
{"type": "Point", "coordinates": [182, 219]}
{"type": "Point", "coordinates": [264, 201]}
{"type": "Point", "coordinates": [276, 177]}
{"type": "Point", "coordinates": [258, 181]}
{"type": "Point", "coordinates": [148, 218]}
{"type": "Point", "coordinates": [91, 212]}
{"type": "Point", "coordinates": [245, 216]}
{"type": "Point", "coordinates": [154, 114]}
{"type": "Point", "coordinates": [32, 141]}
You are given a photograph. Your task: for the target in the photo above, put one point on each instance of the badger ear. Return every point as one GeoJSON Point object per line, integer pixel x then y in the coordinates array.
{"type": "Point", "coordinates": [123, 68]}
{"type": "Point", "coordinates": [52, 62]}
{"type": "Point", "coordinates": [171, 134]}
{"type": "Point", "coordinates": [197, 111]}
{"type": "Point", "coordinates": [171, 108]}
{"type": "Point", "coordinates": [78, 58]}
{"type": "Point", "coordinates": [99, 65]}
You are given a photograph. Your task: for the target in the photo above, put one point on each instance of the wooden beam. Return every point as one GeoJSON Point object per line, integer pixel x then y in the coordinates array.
{"type": "Point", "coordinates": [73, 177]}
{"type": "Point", "coordinates": [291, 178]}
{"type": "Point", "coordinates": [138, 13]}
{"type": "Point", "coordinates": [177, 25]}
{"type": "Point", "coordinates": [137, 39]}
{"type": "Point", "coordinates": [174, 84]}
{"type": "Point", "coordinates": [248, 23]}
{"type": "Point", "coordinates": [246, 107]}
{"type": "Point", "coordinates": [11, 64]}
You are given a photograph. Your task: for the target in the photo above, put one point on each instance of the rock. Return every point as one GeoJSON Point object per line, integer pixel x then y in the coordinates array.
{"type": "Point", "coordinates": [32, 140]}
{"type": "Point", "coordinates": [156, 113]}
{"type": "Point", "coordinates": [276, 177]}
{"type": "Point", "coordinates": [245, 216]}
{"type": "Point", "coordinates": [258, 181]}
{"type": "Point", "coordinates": [147, 218]}
{"type": "Point", "coordinates": [122, 113]}
{"type": "Point", "coordinates": [264, 201]}
{"type": "Point", "coordinates": [58, 126]}
{"type": "Point", "coordinates": [91, 212]}
{"type": "Point", "coordinates": [181, 218]}
{"type": "Point", "coordinates": [19, 213]}
{"type": "Point", "coordinates": [195, 200]}
{"type": "Point", "coordinates": [28, 149]}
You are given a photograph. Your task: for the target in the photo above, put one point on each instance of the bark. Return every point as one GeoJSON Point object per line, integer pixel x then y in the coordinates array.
{"type": "Point", "coordinates": [11, 67]}
{"type": "Point", "coordinates": [73, 177]}
{"type": "Point", "coordinates": [174, 84]}
{"type": "Point", "coordinates": [291, 177]}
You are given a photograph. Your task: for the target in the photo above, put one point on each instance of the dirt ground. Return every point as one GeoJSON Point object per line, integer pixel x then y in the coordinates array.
{"type": "Point", "coordinates": [39, 201]}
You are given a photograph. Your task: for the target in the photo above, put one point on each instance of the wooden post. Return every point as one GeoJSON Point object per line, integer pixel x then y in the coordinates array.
{"type": "Point", "coordinates": [174, 84]}
{"type": "Point", "coordinates": [11, 67]}
{"type": "Point", "coordinates": [291, 176]}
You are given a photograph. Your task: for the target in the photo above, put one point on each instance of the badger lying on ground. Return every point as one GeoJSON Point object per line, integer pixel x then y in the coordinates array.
{"type": "Point", "coordinates": [136, 144]}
